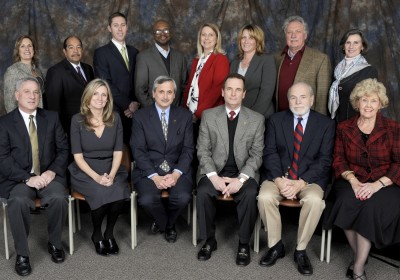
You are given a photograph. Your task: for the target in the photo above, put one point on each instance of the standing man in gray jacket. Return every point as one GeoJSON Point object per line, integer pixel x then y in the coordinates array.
{"type": "Point", "coordinates": [159, 60]}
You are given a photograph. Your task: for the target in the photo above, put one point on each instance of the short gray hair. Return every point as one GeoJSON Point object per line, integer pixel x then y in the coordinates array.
{"type": "Point", "coordinates": [163, 79]}
{"type": "Point", "coordinates": [19, 83]}
{"type": "Point", "coordinates": [292, 19]}
{"type": "Point", "coordinates": [310, 90]}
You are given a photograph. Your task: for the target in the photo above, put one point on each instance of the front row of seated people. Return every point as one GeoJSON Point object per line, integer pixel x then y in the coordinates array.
{"type": "Point", "coordinates": [295, 155]}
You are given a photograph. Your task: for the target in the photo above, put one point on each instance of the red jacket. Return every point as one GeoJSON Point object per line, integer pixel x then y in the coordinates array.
{"type": "Point", "coordinates": [379, 156]}
{"type": "Point", "coordinates": [211, 79]}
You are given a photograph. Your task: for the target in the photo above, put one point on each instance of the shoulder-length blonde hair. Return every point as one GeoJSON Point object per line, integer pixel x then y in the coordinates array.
{"type": "Point", "coordinates": [86, 113]}
{"type": "Point", "coordinates": [366, 88]}
{"type": "Point", "coordinates": [17, 45]}
{"type": "Point", "coordinates": [255, 32]}
{"type": "Point", "coordinates": [218, 46]}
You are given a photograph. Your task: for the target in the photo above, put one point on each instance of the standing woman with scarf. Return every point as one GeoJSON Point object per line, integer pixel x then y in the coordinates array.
{"type": "Point", "coordinates": [209, 69]}
{"type": "Point", "coordinates": [353, 69]}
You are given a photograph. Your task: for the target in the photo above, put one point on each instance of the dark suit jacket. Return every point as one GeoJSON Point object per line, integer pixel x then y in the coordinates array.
{"type": "Point", "coordinates": [379, 156]}
{"type": "Point", "coordinates": [315, 156]}
{"type": "Point", "coordinates": [211, 79]}
{"type": "Point", "coordinates": [109, 65]}
{"type": "Point", "coordinates": [15, 148]}
{"type": "Point", "coordinates": [64, 90]}
{"type": "Point", "coordinates": [150, 65]}
{"type": "Point", "coordinates": [149, 147]}
{"type": "Point", "coordinates": [260, 83]}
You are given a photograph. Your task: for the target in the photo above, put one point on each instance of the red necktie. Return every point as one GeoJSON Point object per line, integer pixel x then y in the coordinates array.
{"type": "Point", "coordinates": [298, 137]}
{"type": "Point", "coordinates": [232, 115]}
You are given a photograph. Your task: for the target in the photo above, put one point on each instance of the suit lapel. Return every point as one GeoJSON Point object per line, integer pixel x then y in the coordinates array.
{"type": "Point", "coordinates": [253, 65]}
{"type": "Point", "coordinates": [118, 55]}
{"type": "Point", "coordinates": [222, 124]}
{"type": "Point", "coordinates": [23, 132]}
{"type": "Point", "coordinates": [309, 133]}
{"type": "Point", "coordinates": [305, 62]}
{"type": "Point", "coordinates": [206, 68]}
{"type": "Point", "coordinates": [41, 130]}
{"type": "Point", "coordinates": [287, 128]}
{"type": "Point", "coordinates": [157, 57]}
{"type": "Point", "coordinates": [172, 125]}
{"type": "Point", "coordinates": [72, 71]}
{"type": "Point", "coordinates": [156, 123]}
{"type": "Point", "coordinates": [243, 122]}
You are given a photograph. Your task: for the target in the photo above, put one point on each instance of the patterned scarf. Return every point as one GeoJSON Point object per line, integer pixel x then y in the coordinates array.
{"type": "Point", "coordinates": [342, 71]}
{"type": "Point", "coordinates": [193, 99]}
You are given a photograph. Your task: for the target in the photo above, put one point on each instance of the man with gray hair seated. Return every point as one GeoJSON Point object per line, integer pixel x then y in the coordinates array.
{"type": "Point", "coordinates": [297, 162]}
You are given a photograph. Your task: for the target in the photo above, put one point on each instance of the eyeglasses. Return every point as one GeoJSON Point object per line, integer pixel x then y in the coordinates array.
{"type": "Point", "coordinates": [159, 32]}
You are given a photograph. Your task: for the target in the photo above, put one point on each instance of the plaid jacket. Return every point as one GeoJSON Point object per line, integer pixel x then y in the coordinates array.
{"type": "Point", "coordinates": [379, 156]}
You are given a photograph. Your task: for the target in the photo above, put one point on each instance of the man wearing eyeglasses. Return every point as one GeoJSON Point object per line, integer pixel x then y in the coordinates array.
{"type": "Point", "coordinates": [159, 60]}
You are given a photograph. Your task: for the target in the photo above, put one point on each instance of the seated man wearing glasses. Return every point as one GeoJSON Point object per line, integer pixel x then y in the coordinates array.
{"type": "Point", "coordinates": [159, 60]}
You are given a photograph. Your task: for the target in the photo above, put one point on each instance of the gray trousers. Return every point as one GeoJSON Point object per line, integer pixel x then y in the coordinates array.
{"type": "Point", "coordinates": [21, 200]}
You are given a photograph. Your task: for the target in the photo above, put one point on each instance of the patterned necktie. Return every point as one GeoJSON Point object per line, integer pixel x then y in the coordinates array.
{"type": "Point", "coordinates": [164, 165]}
{"type": "Point", "coordinates": [35, 146]}
{"type": "Point", "coordinates": [232, 115]}
{"type": "Point", "coordinates": [298, 138]}
{"type": "Point", "coordinates": [124, 56]}
{"type": "Point", "coordinates": [81, 75]}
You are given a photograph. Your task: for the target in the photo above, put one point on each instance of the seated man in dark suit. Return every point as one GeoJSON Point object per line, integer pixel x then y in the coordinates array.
{"type": "Point", "coordinates": [162, 147]}
{"type": "Point", "coordinates": [66, 81]}
{"type": "Point", "coordinates": [115, 63]}
{"type": "Point", "coordinates": [229, 148]}
{"type": "Point", "coordinates": [297, 161]}
{"type": "Point", "coordinates": [33, 159]}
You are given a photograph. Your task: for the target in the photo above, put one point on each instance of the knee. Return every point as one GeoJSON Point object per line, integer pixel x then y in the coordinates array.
{"type": "Point", "coordinates": [19, 202]}
{"type": "Point", "coordinates": [146, 200]}
{"type": "Point", "coordinates": [314, 200]}
{"type": "Point", "coordinates": [265, 198]}
{"type": "Point", "coordinates": [181, 200]}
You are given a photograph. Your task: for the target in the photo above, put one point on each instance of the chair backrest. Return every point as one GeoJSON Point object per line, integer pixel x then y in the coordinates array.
{"type": "Point", "coordinates": [126, 158]}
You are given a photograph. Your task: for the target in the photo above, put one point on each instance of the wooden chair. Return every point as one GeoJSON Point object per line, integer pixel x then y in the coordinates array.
{"type": "Point", "coordinates": [256, 237]}
{"type": "Point", "coordinates": [295, 203]}
{"type": "Point", "coordinates": [4, 218]}
{"type": "Point", "coordinates": [134, 195]}
{"type": "Point", "coordinates": [77, 197]}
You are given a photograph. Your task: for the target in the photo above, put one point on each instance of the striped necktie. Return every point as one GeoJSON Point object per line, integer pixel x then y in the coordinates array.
{"type": "Point", "coordinates": [298, 138]}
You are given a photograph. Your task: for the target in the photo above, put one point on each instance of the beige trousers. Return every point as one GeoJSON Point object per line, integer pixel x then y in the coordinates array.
{"type": "Point", "coordinates": [310, 213]}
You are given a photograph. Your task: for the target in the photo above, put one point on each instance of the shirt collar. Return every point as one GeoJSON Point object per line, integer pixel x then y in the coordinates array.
{"type": "Point", "coordinates": [159, 110]}
{"type": "Point", "coordinates": [229, 110]}
{"type": "Point", "coordinates": [286, 50]}
{"type": "Point", "coordinates": [118, 44]}
{"type": "Point", "coordinates": [162, 51]}
{"type": "Point", "coordinates": [305, 116]}
{"type": "Point", "coordinates": [26, 115]}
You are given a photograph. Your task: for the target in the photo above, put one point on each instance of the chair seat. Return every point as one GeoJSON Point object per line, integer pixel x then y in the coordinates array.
{"type": "Point", "coordinates": [290, 203]}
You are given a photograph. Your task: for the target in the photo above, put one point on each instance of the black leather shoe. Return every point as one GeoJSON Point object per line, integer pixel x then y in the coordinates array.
{"type": "Point", "coordinates": [349, 272]}
{"type": "Point", "coordinates": [101, 247]}
{"type": "Point", "coordinates": [303, 262]}
{"type": "Point", "coordinates": [243, 255]}
{"type": "Point", "coordinates": [205, 251]}
{"type": "Point", "coordinates": [155, 229]}
{"type": "Point", "coordinates": [170, 234]}
{"type": "Point", "coordinates": [272, 255]}
{"type": "Point", "coordinates": [22, 266]}
{"type": "Point", "coordinates": [112, 246]}
{"type": "Point", "coordinates": [57, 255]}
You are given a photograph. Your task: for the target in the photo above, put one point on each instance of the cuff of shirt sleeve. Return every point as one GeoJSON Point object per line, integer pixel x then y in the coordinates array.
{"type": "Point", "coordinates": [211, 174]}
{"type": "Point", "coordinates": [177, 170]}
{"type": "Point", "coordinates": [151, 175]}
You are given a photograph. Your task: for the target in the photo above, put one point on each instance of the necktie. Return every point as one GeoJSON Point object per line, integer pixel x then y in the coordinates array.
{"type": "Point", "coordinates": [80, 74]}
{"type": "Point", "coordinates": [298, 138]}
{"type": "Point", "coordinates": [231, 115]}
{"type": "Point", "coordinates": [124, 56]}
{"type": "Point", "coordinates": [35, 146]}
{"type": "Point", "coordinates": [164, 165]}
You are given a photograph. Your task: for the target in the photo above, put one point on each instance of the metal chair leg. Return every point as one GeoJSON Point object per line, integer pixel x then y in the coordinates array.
{"type": "Point", "coordinates": [5, 230]}
{"type": "Point", "coordinates": [328, 246]}
{"type": "Point", "coordinates": [194, 222]}
{"type": "Point", "coordinates": [257, 228]}
{"type": "Point", "coordinates": [133, 220]}
{"type": "Point", "coordinates": [71, 225]}
{"type": "Point", "coordinates": [322, 255]}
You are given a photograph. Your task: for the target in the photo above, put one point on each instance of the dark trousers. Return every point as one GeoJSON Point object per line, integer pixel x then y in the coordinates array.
{"type": "Point", "coordinates": [246, 207]}
{"type": "Point", "coordinates": [149, 197]}
{"type": "Point", "coordinates": [20, 202]}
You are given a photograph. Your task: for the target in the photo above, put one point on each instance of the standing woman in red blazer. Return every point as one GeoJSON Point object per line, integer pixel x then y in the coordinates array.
{"type": "Point", "coordinates": [209, 69]}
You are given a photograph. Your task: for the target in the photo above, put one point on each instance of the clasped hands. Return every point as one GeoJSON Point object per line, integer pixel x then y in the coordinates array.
{"type": "Point", "coordinates": [364, 191]}
{"type": "Point", "coordinates": [105, 180]}
{"type": "Point", "coordinates": [226, 185]}
{"type": "Point", "coordinates": [289, 188]}
{"type": "Point", "coordinates": [42, 181]}
{"type": "Point", "coordinates": [133, 106]}
{"type": "Point", "coordinates": [167, 181]}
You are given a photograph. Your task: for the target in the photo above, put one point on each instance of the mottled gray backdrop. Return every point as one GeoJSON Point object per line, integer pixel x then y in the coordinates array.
{"type": "Point", "coordinates": [50, 21]}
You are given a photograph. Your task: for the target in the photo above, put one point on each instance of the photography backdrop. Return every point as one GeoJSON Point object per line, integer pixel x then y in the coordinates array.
{"type": "Point", "coordinates": [51, 21]}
